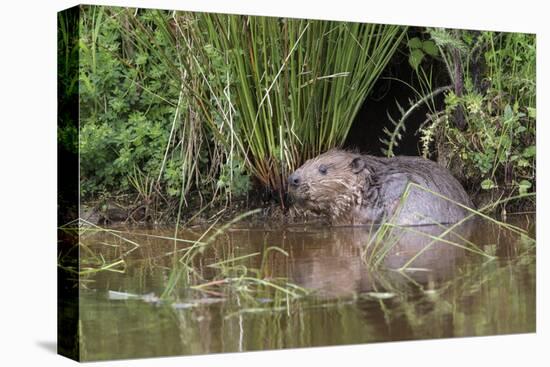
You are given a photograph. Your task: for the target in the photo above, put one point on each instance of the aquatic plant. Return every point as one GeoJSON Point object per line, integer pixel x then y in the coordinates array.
{"type": "Point", "coordinates": [187, 267]}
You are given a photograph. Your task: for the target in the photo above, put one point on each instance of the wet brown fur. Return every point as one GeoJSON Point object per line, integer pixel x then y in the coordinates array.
{"type": "Point", "coordinates": [360, 189]}
{"type": "Point", "coordinates": [335, 193]}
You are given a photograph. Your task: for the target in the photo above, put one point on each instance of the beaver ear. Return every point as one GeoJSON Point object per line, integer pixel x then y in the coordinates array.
{"type": "Point", "coordinates": [357, 165]}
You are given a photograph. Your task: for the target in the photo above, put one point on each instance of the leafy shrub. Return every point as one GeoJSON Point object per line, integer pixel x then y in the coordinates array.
{"type": "Point", "coordinates": [495, 74]}
{"type": "Point", "coordinates": [498, 146]}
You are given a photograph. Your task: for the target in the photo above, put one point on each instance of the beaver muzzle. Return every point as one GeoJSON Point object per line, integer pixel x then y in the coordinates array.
{"type": "Point", "coordinates": [296, 189]}
{"type": "Point", "coordinates": [294, 180]}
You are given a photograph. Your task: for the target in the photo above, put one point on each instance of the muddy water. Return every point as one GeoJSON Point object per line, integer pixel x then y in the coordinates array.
{"type": "Point", "coordinates": [301, 286]}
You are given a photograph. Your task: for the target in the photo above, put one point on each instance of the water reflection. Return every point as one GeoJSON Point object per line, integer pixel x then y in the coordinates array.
{"type": "Point", "coordinates": [357, 295]}
{"type": "Point", "coordinates": [335, 262]}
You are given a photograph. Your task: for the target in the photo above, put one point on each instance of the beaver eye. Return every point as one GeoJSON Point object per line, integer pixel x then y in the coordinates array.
{"type": "Point", "coordinates": [323, 169]}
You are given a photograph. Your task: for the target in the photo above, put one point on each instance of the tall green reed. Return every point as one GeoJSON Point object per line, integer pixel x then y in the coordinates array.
{"type": "Point", "coordinates": [272, 92]}
{"type": "Point", "coordinates": [297, 84]}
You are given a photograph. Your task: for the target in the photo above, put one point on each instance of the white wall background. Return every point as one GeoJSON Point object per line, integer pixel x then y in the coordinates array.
{"type": "Point", "coordinates": [28, 181]}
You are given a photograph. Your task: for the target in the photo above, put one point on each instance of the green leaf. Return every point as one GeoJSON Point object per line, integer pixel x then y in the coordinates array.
{"type": "Point", "coordinates": [520, 129]}
{"type": "Point", "coordinates": [532, 112]}
{"type": "Point", "coordinates": [430, 48]}
{"type": "Point", "coordinates": [414, 43]}
{"type": "Point", "coordinates": [523, 162]}
{"type": "Point", "coordinates": [524, 186]}
{"type": "Point", "coordinates": [488, 184]}
{"type": "Point", "coordinates": [508, 113]}
{"type": "Point", "coordinates": [467, 38]}
{"type": "Point", "coordinates": [530, 151]}
{"type": "Point", "coordinates": [415, 58]}
{"type": "Point", "coordinates": [141, 59]}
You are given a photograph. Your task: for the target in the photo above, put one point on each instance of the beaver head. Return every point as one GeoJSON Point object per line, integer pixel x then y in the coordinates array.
{"type": "Point", "coordinates": [330, 184]}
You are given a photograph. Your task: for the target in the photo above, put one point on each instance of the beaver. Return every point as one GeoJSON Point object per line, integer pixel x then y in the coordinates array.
{"type": "Point", "coordinates": [355, 189]}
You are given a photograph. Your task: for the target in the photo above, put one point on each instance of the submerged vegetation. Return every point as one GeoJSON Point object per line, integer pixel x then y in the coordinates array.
{"type": "Point", "coordinates": [459, 294]}
{"type": "Point", "coordinates": [207, 266]}
{"type": "Point", "coordinates": [191, 265]}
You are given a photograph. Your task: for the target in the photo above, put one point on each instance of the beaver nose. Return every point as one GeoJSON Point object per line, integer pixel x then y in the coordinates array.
{"type": "Point", "coordinates": [294, 179]}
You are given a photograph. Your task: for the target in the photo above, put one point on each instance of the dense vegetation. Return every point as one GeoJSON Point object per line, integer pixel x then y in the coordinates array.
{"type": "Point", "coordinates": [485, 133]}
{"type": "Point", "coordinates": [184, 109]}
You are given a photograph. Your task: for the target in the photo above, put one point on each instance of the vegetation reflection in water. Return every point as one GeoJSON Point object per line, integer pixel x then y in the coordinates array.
{"type": "Point", "coordinates": [250, 287]}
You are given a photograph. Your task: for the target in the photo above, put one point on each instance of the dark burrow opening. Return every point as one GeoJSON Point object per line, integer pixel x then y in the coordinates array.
{"type": "Point", "coordinates": [396, 84]}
